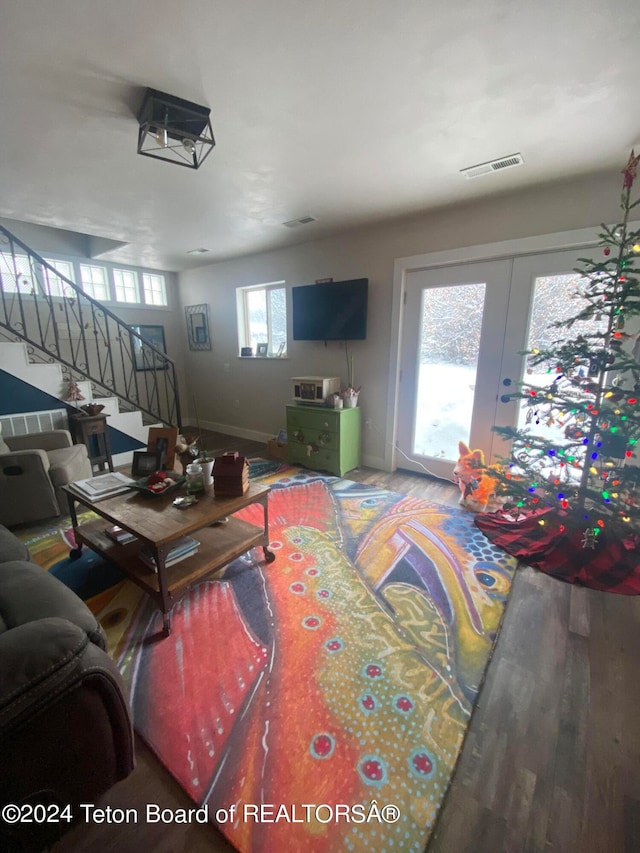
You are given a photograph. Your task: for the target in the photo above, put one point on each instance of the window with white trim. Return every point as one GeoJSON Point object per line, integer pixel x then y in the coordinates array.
{"type": "Point", "coordinates": [94, 282]}
{"type": "Point", "coordinates": [54, 284]}
{"type": "Point", "coordinates": [155, 291]}
{"type": "Point", "coordinates": [104, 282]}
{"type": "Point", "coordinates": [262, 318]}
{"type": "Point", "coordinates": [18, 275]}
{"type": "Point", "coordinates": [15, 273]}
{"type": "Point", "coordinates": [125, 283]}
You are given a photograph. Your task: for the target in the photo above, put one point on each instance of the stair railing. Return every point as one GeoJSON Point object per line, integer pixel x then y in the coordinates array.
{"type": "Point", "coordinates": [52, 315]}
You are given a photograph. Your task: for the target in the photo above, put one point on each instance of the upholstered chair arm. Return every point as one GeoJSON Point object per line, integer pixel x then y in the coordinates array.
{"type": "Point", "coordinates": [51, 440]}
{"type": "Point", "coordinates": [43, 658]}
{"type": "Point", "coordinates": [30, 460]}
{"type": "Point", "coordinates": [65, 726]}
{"type": "Point", "coordinates": [25, 487]}
{"type": "Point", "coordinates": [29, 593]}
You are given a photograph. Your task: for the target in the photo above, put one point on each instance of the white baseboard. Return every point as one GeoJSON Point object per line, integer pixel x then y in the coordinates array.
{"type": "Point", "coordinates": [376, 462]}
{"type": "Point", "coordinates": [228, 429]}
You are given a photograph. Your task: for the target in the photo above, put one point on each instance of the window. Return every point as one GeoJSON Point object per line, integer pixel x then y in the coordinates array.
{"type": "Point", "coordinates": [15, 274]}
{"type": "Point", "coordinates": [104, 282]}
{"type": "Point", "coordinates": [93, 281]}
{"type": "Point", "coordinates": [155, 292]}
{"type": "Point", "coordinates": [126, 285]}
{"type": "Point", "coordinates": [262, 317]}
{"type": "Point", "coordinates": [56, 286]}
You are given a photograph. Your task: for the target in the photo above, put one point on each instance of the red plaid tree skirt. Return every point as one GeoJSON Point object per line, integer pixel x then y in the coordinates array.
{"type": "Point", "coordinates": [613, 566]}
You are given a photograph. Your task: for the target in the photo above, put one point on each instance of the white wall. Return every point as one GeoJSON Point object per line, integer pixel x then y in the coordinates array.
{"type": "Point", "coordinates": [262, 387]}
{"type": "Point", "coordinates": [58, 243]}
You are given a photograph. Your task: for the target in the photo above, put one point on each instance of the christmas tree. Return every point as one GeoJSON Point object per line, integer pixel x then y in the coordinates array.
{"type": "Point", "coordinates": [579, 471]}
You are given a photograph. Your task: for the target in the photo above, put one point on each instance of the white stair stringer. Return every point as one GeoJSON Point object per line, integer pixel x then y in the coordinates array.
{"type": "Point", "coordinates": [47, 377]}
{"type": "Point", "coordinates": [14, 359]}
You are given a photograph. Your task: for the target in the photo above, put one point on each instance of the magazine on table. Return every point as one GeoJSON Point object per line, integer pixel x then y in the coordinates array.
{"type": "Point", "coordinates": [103, 486]}
{"type": "Point", "coordinates": [185, 547]}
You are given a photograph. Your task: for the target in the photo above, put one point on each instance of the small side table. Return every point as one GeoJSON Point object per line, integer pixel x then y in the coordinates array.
{"type": "Point", "coordinates": [91, 430]}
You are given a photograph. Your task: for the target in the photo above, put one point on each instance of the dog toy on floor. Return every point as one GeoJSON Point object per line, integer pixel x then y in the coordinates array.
{"type": "Point", "coordinates": [471, 474]}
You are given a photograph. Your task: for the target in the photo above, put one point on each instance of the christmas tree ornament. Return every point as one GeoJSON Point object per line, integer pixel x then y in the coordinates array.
{"type": "Point", "coordinates": [589, 472]}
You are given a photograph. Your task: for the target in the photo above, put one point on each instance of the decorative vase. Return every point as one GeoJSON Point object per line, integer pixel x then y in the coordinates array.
{"type": "Point", "coordinates": [351, 398]}
{"type": "Point", "coordinates": [207, 471]}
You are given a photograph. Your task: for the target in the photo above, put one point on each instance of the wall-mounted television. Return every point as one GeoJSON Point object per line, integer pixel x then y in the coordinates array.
{"type": "Point", "coordinates": [330, 311]}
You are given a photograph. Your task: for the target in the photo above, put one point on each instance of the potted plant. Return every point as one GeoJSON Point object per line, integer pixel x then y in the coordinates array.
{"type": "Point", "coordinates": [206, 459]}
{"type": "Point", "coordinates": [350, 393]}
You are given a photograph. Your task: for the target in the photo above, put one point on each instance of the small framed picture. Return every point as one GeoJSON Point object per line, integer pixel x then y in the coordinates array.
{"type": "Point", "coordinates": [146, 463]}
{"type": "Point", "coordinates": [263, 350]}
{"type": "Point", "coordinates": [164, 439]}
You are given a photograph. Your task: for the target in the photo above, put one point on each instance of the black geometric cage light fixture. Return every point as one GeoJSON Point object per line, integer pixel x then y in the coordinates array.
{"type": "Point", "coordinates": [174, 130]}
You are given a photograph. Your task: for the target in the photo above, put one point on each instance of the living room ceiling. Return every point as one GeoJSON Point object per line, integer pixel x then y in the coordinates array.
{"type": "Point", "coordinates": [348, 111]}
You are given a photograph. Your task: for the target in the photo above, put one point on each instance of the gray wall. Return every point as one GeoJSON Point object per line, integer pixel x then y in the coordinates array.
{"type": "Point", "coordinates": [262, 387]}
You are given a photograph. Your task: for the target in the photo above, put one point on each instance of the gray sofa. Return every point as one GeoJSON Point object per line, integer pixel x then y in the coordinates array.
{"type": "Point", "coordinates": [65, 726]}
{"type": "Point", "coordinates": [32, 470]}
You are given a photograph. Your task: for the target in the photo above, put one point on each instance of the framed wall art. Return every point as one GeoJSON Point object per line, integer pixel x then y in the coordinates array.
{"type": "Point", "coordinates": [198, 326]}
{"type": "Point", "coordinates": [144, 357]}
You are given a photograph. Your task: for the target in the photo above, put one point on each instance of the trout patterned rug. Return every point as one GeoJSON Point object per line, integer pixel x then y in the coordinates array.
{"type": "Point", "coordinates": [319, 702]}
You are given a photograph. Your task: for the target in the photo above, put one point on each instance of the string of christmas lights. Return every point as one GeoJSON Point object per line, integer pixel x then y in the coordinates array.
{"type": "Point", "coordinates": [585, 474]}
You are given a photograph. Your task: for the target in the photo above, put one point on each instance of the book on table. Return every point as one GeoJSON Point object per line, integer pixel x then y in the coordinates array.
{"type": "Point", "coordinates": [119, 534]}
{"type": "Point", "coordinates": [103, 486]}
{"type": "Point", "coordinates": [184, 547]}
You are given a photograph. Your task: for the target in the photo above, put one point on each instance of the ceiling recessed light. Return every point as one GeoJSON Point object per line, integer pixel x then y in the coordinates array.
{"type": "Point", "coordinates": [198, 251]}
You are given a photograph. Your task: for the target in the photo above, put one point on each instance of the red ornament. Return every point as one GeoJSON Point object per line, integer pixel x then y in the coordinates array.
{"type": "Point", "coordinates": [607, 252]}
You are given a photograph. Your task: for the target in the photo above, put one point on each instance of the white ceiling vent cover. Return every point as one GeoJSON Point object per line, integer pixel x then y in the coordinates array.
{"type": "Point", "coordinates": [493, 166]}
{"type": "Point", "coordinates": [304, 220]}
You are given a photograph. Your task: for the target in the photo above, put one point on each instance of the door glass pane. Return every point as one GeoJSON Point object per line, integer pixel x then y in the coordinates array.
{"type": "Point", "coordinates": [555, 298]}
{"type": "Point", "coordinates": [448, 360]}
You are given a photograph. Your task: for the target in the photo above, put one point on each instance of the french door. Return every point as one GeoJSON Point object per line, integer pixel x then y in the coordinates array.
{"type": "Point", "coordinates": [462, 331]}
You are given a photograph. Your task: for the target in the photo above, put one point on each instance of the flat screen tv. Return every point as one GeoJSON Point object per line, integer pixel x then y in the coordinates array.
{"type": "Point", "coordinates": [331, 311]}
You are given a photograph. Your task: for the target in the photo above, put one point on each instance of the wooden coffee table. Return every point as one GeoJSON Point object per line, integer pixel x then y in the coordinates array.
{"type": "Point", "coordinates": [158, 524]}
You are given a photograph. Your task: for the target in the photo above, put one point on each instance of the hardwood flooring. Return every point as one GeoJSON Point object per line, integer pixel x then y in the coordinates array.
{"type": "Point", "coordinates": [551, 761]}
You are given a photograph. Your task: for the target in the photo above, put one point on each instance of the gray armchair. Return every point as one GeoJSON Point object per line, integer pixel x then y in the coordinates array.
{"type": "Point", "coordinates": [65, 725]}
{"type": "Point", "coordinates": [32, 470]}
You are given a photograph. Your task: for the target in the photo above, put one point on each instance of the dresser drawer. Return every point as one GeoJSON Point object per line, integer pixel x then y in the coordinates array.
{"type": "Point", "coordinates": [322, 460]}
{"type": "Point", "coordinates": [304, 435]}
{"type": "Point", "coordinates": [324, 439]}
{"type": "Point", "coordinates": [318, 419]}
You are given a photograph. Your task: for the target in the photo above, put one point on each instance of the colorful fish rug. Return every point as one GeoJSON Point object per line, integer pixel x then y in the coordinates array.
{"type": "Point", "coordinates": [320, 702]}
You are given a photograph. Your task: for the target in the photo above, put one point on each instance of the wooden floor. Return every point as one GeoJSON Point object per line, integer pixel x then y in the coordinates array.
{"type": "Point", "coordinates": [551, 761]}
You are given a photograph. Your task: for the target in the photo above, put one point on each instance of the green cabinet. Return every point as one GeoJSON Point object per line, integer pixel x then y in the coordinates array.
{"type": "Point", "coordinates": [323, 439]}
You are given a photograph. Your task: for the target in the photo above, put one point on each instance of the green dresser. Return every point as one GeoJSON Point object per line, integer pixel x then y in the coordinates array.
{"type": "Point", "coordinates": [323, 439]}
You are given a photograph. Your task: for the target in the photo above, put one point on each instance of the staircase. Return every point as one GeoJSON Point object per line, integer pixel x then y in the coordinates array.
{"type": "Point", "coordinates": [42, 389]}
{"type": "Point", "coordinates": [51, 331]}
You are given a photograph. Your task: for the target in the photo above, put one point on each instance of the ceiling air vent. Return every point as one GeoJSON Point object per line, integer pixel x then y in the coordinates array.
{"type": "Point", "coordinates": [304, 220]}
{"type": "Point", "coordinates": [493, 166]}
